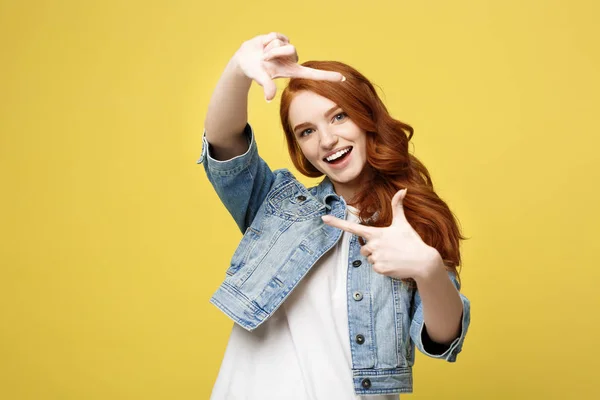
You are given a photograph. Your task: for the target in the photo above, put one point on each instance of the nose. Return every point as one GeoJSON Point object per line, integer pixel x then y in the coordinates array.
{"type": "Point", "coordinates": [327, 139]}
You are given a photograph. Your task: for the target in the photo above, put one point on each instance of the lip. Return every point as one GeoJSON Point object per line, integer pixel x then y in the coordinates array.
{"type": "Point", "coordinates": [335, 151]}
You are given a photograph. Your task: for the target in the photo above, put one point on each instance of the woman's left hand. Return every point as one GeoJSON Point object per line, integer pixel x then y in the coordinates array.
{"type": "Point", "coordinates": [396, 251]}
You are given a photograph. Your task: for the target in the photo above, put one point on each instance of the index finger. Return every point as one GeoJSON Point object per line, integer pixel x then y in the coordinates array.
{"type": "Point", "coordinates": [366, 232]}
{"type": "Point", "coordinates": [318, 74]}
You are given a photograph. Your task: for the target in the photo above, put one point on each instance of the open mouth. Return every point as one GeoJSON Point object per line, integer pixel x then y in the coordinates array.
{"type": "Point", "coordinates": [339, 156]}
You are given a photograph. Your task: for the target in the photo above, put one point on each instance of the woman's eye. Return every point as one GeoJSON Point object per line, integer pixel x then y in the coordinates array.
{"type": "Point", "coordinates": [343, 114]}
{"type": "Point", "coordinates": [337, 118]}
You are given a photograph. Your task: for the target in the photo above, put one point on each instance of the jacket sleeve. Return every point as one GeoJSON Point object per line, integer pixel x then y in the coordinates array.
{"type": "Point", "coordinates": [419, 336]}
{"type": "Point", "coordinates": [242, 182]}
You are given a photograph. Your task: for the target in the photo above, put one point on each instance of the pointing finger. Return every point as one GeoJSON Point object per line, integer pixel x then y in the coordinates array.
{"type": "Point", "coordinates": [318, 75]}
{"type": "Point", "coordinates": [366, 232]}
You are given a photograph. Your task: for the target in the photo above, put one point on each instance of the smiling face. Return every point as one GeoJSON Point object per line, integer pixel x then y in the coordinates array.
{"type": "Point", "coordinates": [330, 140]}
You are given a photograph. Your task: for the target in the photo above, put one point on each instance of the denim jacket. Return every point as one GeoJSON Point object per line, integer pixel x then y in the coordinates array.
{"type": "Point", "coordinates": [284, 237]}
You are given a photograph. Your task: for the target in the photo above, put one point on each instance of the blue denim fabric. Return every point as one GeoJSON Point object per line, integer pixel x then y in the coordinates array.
{"type": "Point", "coordinates": [283, 237]}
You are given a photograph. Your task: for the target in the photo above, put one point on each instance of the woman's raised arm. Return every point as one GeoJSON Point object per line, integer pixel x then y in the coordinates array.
{"type": "Point", "coordinates": [262, 59]}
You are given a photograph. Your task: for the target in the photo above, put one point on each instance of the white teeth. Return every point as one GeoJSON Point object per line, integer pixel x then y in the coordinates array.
{"type": "Point", "coordinates": [337, 155]}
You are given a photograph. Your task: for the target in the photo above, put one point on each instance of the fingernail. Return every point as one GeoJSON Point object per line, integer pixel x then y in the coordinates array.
{"type": "Point", "coordinates": [343, 78]}
{"type": "Point", "coordinates": [267, 100]}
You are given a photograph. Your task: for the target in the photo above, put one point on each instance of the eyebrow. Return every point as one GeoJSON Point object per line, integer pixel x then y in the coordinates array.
{"type": "Point", "coordinates": [302, 125]}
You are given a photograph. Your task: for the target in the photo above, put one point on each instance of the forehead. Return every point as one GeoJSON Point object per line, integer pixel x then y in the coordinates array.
{"type": "Point", "coordinates": [308, 106]}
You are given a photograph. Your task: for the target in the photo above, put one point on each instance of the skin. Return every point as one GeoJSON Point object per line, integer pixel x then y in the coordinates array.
{"type": "Point", "coordinates": [324, 127]}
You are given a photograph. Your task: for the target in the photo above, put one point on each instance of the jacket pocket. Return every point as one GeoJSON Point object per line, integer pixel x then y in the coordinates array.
{"type": "Point", "coordinates": [294, 202]}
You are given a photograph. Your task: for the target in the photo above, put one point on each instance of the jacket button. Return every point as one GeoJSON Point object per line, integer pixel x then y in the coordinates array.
{"type": "Point", "coordinates": [360, 339]}
{"type": "Point", "coordinates": [356, 263]}
{"type": "Point", "coordinates": [358, 296]}
{"type": "Point", "coordinates": [366, 383]}
{"type": "Point", "coordinates": [301, 198]}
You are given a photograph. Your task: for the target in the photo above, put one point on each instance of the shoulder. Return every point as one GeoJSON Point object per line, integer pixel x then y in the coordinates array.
{"type": "Point", "coordinates": [284, 178]}
{"type": "Point", "coordinates": [286, 186]}
{"type": "Point", "coordinates": [284, 173]}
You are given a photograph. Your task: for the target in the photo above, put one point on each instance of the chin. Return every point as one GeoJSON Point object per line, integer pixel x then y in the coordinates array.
{"type": "Point", "coordinates": [344, 176]}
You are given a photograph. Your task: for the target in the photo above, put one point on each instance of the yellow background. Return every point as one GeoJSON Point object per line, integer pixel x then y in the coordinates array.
{"type": "Point", "coordinates": [112, 240]}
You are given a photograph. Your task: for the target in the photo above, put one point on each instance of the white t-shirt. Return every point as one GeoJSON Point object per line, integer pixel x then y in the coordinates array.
{"type": "Point", "coordinates": [302, 352]}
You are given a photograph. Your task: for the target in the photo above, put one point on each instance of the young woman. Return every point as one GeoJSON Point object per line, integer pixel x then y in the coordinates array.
{"type": "Point", "coordinates": [331, 287]}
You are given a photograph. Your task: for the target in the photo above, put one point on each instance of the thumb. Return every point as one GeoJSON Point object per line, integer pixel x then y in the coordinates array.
{"type": "Point", "coordinates": [264, 80]}
{"type": "Point", "coordinates": [398, 208]}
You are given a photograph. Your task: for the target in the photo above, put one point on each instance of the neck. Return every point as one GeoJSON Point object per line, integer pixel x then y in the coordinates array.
{"type": "Point", "coordinates": [348, 190]}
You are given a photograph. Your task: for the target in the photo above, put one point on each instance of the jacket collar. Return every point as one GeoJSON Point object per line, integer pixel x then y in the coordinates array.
{"type": "Point", "coordinates": [326, 192]}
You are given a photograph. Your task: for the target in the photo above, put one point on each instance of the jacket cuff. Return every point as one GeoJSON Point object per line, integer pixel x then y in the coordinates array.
{"type": "Point", "coordinates": [452, 349]}
{"type": "Point", "coordinates": [237, 163]}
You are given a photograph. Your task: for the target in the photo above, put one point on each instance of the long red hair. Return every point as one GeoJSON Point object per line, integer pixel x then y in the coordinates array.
{"type": "Point", "coordinates": [389, 162]}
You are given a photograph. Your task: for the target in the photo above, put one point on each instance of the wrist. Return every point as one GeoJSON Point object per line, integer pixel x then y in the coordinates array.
{"type": "Point", "coordinates": [236, 71]}
{"type": "Point", "coordinates": [430, 270]}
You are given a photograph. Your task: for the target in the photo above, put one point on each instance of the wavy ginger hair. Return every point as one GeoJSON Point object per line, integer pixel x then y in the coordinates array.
{"type": "Point", "coordinates": [390, 165]}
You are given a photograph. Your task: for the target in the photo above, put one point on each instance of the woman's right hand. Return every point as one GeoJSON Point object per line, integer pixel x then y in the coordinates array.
{"type": "Point", "coordinates": [266, 57]}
